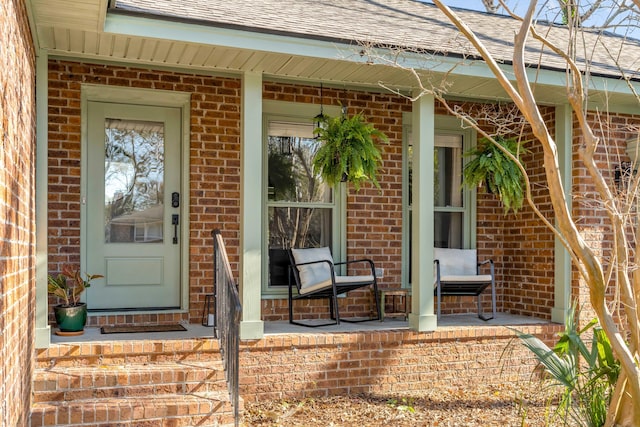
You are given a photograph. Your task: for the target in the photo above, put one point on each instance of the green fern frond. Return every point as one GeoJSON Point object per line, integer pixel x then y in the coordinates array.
{"type": "Point", "coordinates": [348, 150]}
{"type": "Point", "coordinates": [490, 166]}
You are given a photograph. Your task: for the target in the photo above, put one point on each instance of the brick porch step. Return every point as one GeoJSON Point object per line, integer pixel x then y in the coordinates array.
{"type": "Point", "coordinates": [131, 383]}
{"type": "Point", "coordinates": [174, 410]}
{"type": "Point", "coordinates": [112, 381]}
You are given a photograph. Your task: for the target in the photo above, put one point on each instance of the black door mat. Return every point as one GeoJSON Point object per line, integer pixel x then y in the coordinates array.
{"type": "Point", "coordinates": [141, 328]}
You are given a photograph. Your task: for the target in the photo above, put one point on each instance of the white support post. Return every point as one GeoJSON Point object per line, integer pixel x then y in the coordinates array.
{"type": "Point", "coordinates": [251, 326]}
{"type": "Point", "coordinates": [562, 273]}
{"type": "Point", "coordinates": [422, 317]}
{"type": "Point", "coordinates": [43, 331]}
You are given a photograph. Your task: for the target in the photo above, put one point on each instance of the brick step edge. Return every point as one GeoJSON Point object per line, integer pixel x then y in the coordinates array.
{"type": "Point", "coordinates": [125, 352]}
{"type": "Point", "coordinates": [66, 384]}
{"type": "Point", "coordinates": [211, 408]}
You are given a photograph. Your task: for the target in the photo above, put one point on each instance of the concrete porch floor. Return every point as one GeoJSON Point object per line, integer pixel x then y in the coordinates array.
{"type": "Point", "coordinates": [449, 322]}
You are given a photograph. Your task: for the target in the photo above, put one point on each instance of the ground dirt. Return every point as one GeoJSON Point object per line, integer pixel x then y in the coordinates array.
{"type": "Point", "coordinates": [506, 405]}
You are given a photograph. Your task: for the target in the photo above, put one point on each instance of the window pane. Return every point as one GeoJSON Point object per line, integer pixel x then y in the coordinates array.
{"type": "Point", "coordinates": [290, 171]}
{"type": "Point", "coordinates": [295, 227]}
{"type": "Point", "coordinates": [448, 230]}
{"type": "Point", "coordinates": [448, 171]}
{"type": "Point", "coordinates": [134, 181]}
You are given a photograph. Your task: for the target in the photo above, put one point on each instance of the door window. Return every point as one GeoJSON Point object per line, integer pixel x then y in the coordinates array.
{"type": "Point", "coordinates": [134, 181]}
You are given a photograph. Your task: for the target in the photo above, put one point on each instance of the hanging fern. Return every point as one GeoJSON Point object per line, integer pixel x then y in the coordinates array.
{"type": "Point", "coordinates": [491, 167]}
{"type": "Point", "coordinates": [348, 151]}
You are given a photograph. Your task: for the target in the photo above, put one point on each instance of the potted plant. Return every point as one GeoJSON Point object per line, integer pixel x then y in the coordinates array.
{"type": "Point", "coordinates": [68, 286]}
{"type": "Point", "coordinates": [492, 167]}
{"type": "Point", "coordinates": [348, 150]}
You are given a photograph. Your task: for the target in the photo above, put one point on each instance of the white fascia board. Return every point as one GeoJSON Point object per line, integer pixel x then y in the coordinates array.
{"type": "Point", "coordinates": [545, 77]}
{"type": "Point", "coordinates": [271, 43]}
{"type": "Point", "coordinates": [209, 35]}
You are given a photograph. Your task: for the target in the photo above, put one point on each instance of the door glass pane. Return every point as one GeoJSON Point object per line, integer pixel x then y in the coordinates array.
{"type": "Point", "coordinates": [134, 181]}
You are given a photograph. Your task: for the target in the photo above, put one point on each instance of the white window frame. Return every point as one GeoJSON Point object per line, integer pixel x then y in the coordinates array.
{"type": "Point", "coordinates": [443, 125]}
{"type": "Point", "coordinates": [301, 113]}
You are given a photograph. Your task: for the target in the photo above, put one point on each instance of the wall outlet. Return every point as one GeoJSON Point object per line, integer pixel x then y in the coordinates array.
{"type": "Point", "coordinates": [379, 273]}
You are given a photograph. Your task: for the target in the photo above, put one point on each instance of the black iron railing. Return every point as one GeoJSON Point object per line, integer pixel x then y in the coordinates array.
{"type": "Point", "coordinates": [228, 312]}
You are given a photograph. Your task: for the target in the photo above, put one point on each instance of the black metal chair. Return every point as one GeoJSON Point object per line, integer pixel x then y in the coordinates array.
{"type": "Point", "coordinates": [314, 277]}
{"type": "Point", "coordinates": [458, 274]}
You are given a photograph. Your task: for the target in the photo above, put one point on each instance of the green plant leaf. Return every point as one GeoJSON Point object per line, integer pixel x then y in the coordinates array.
{"type": "Point", "coordinates": [348, 150]}
{"type": "Point", "coordinates": [490, 166]}
{"type": "Point", "coordinates": [561, 369]}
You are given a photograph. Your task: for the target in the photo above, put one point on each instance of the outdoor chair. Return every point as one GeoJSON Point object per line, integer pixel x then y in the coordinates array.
{"type": "Point", "coordinates": [458, 274]}
{"type": "Point", "coordinates": [314, 277]}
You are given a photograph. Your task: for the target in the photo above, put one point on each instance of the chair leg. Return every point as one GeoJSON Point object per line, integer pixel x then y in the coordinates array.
{"type": "Point", "coordinates": [290, 302]}
{"type": "Point", "coordinates": [493, 295]}
{"type": "Point", "coordinates": [335, 307]}
{"type": "Point", "coordinates": [379, 302]}
{"type": "Point", "coordinates": [482, 316]}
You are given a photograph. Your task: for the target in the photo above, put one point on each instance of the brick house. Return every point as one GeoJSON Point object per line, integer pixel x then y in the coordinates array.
{"type": "Point", "coordinates": [224, 86]}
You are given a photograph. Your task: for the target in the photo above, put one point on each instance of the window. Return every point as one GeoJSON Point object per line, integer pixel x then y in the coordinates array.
{"type": "Point", "coordinates": [448, 198]}
{"type": "Point", "coordinates": [453, 206]}
{"type": "Point", "coordinates": [300, 208]}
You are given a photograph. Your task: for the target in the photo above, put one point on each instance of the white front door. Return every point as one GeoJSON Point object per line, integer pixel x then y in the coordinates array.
{"type": "Point", "coordinates": [133, 207]}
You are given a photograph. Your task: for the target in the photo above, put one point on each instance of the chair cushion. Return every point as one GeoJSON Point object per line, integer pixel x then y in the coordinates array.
{"type": "Point", "coordinates": [456, 262]}
{"type": "Point", "coordinates": [479, 278]}
{"type": "Point", "coordinates": [313, 274]}
{"type": "Point", "coordinates": [340, 280]}
{"type": "Point", "coordinates": [345, 280]}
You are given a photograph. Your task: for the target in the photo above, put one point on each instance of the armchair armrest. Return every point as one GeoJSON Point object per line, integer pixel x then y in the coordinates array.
{"type": "Point", "coordinates": [367, 260]}
{"type": "Point", "coordinates": [488, 261]}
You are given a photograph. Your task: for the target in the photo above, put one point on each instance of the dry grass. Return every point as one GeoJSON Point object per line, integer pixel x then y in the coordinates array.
{"type": "Point", "coordinates": [506, 405]}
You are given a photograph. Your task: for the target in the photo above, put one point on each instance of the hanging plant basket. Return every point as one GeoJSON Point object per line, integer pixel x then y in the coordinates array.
{"type": "Point", "coordinates": [490, 166]}
{"type": "Point", "coordinates": [348, 151]}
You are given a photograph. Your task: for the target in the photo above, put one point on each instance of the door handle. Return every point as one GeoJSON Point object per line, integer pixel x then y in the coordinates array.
{"type": "Point", "coordinates": [175, 220]}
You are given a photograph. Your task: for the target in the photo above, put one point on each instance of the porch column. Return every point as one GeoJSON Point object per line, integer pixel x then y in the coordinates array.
{"type": "Point", "coordinates": [43, 332]}
{"type": "Point", "coordinates": [251, 327]}
{"type": "Point", "coordinates": [562, 273]}
{"type": "Point", "coordinates": [422, 317]}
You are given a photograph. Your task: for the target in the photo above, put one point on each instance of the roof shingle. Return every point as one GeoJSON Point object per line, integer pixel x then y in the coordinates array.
{"type": "Point", "coordinates": [409, 24]}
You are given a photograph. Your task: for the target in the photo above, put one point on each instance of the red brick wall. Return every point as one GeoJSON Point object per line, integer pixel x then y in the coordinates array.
{"type": "Point", "coordinates": [614, 130]}
{"type": "Point", "coordinates": [17, 187]}
{"type": "Point", "coordinates": [528, 262]}
{"type": "Point", "coordinates": [385, 362]}
{"type": "Point", "coordinates": [214, 168]}
{"type": "Point", "coordinates": [519, 243]}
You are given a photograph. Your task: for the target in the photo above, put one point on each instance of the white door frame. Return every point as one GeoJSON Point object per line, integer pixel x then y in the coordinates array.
{"type": "Point", "coordinates": [145, 97]}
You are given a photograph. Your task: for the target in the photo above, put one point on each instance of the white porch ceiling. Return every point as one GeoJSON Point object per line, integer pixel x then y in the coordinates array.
{"type": "Point", "coordinates": [79, 29]}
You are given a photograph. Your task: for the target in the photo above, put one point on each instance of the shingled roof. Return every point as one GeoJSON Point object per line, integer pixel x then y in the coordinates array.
{"type": "Point", "coordinates": [402, 23]}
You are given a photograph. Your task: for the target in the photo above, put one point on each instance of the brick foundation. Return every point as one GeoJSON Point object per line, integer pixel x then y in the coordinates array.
{"type": "Point", "coordinates": [385, 362]}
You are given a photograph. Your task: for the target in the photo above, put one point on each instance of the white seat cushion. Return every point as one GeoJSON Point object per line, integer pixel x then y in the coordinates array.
{"type": "Point", "coordinates": [340, 280]}
{"type": "Point", "coordinates": [313, 275]}
{"type": "Point", "coordinates": [479, 278]}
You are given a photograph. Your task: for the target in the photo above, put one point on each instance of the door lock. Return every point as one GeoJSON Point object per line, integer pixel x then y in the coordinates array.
{"type": "Point", "coordinates": [175, 199]}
